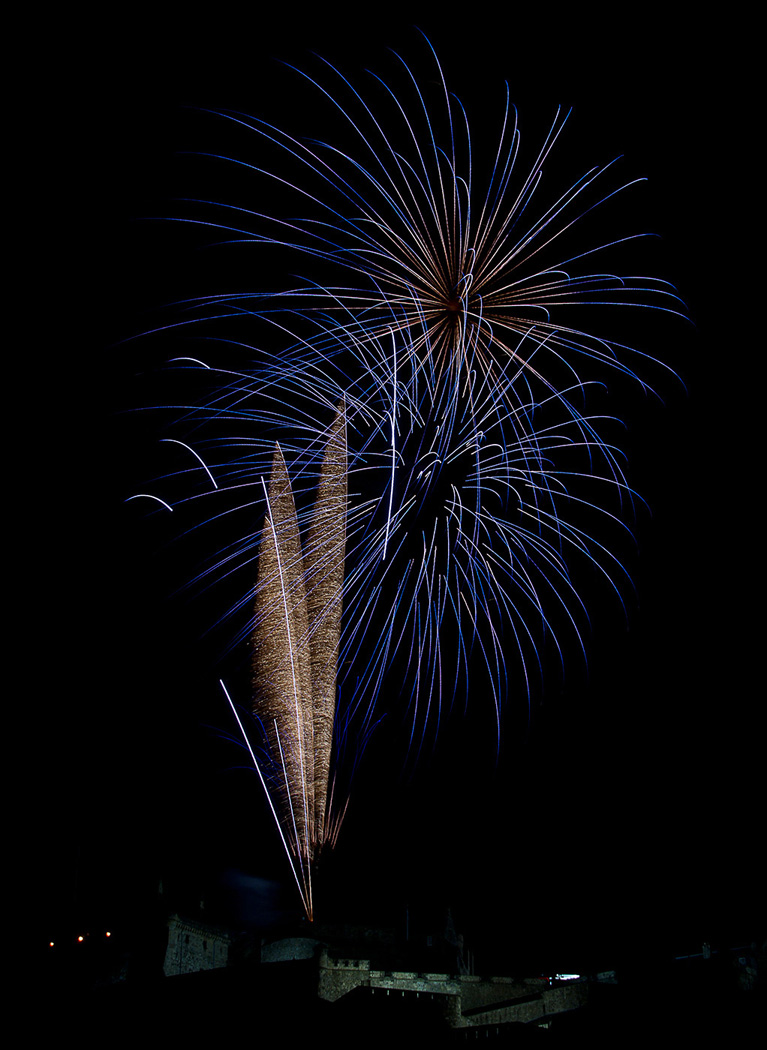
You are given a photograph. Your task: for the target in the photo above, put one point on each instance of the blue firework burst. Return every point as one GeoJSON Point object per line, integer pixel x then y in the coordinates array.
{"type": "Point", "coordinates": [439, 305]}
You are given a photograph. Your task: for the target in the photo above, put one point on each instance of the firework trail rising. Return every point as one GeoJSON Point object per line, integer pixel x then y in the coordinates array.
{"type": "Point", "coordinates": [439, 314]}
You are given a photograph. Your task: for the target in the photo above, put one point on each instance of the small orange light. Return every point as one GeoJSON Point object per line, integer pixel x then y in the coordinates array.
{"type": "Point", "coordinates": [108, 934]}
{"type": "Point", "coordinates": [50, 944]}
{"type": "Point", "coordinates": [81, 938]}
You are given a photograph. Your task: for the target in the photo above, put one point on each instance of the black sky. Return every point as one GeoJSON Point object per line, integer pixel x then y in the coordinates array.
{"type": "Point", "coordinates": [625, 814]}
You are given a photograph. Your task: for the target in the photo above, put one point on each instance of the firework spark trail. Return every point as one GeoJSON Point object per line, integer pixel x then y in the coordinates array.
{"type": "Point", "coordinates": [324, 562]}
{"type": "Point", "coordinates": [279, 645]}
{"type": "Point", "coordinates": [295, 644]}
{"type": "Point", "coordinates": [472, 481]}
{"type": "Point", "coordinates": [393, 444]}
{"type": "Point", "coordinates": [256, 766]}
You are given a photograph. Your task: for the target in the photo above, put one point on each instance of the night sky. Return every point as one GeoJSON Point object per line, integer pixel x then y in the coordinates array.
{"type": "Point", "coordinates": [621, 816]}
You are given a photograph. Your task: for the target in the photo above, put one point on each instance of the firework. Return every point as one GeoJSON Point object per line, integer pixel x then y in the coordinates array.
{"type": "Point", "coordinates": [295, 644]}
{"type": "Point", "coordinates": [476, 477]}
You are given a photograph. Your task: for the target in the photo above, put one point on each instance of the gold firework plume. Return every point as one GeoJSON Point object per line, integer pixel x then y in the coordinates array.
{"type": "Point", "coordinates": [295, 643]}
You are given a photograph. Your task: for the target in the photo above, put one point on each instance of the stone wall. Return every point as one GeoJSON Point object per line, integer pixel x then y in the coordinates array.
{"type": "Point", "coordinates": [289, 949]}
{"type": "Point", "coordinates": [338, 977]}
{"type": "Point", "coordinates": [468, 1001]}
{"type": "Point", "coordinates": [477, 992]}
{"type": "Point", "coordinates": [525, 1001]}
{"type": "Point", "coordinates": [193, 946]}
